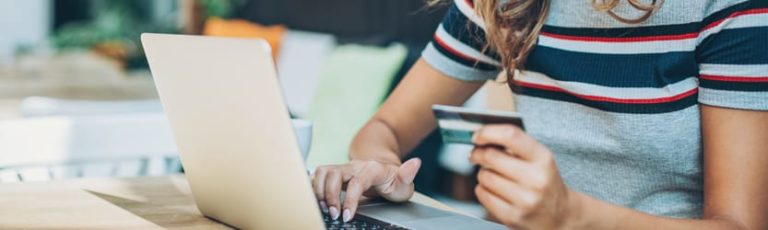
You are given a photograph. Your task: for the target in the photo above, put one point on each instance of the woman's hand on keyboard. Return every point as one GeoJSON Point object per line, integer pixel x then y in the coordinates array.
{"type": "Point", "coordinates": [390, 181]}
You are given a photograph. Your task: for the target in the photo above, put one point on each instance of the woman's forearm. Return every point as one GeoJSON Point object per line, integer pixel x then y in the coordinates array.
{"type": "Point", "coordinates": [406, 117]}
{"type": "Point", "coordinates": [376, 141]}
{"type": "Point", "coordinates": [591, 213]}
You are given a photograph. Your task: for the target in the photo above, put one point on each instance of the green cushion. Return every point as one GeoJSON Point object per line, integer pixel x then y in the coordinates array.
{"type": "Point", "coordinates": [352, 84]}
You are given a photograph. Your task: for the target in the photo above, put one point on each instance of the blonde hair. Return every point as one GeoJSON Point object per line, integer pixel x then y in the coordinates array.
{"type": "Point", "coordinates": [608, 5]}
{"type": "Point", "coordinates": [512, 26]}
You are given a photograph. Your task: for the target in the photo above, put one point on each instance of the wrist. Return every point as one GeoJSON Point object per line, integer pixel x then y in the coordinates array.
{"type": "Point", "coordinates": [383, 158]}
{"type": "Point", "coordinates": [574, 217]}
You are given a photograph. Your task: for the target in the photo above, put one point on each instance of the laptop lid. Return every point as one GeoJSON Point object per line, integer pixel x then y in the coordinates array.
{"type": "Point", "coordinates": [233, 130]}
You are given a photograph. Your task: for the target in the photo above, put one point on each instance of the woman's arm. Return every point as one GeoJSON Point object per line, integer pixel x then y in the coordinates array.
{"type": "Point", "coordinates": [399, 125]}
{"type": "Point", "coordinates": [735, 191]}
{"type": "Point", "coordinates": [406, 117]}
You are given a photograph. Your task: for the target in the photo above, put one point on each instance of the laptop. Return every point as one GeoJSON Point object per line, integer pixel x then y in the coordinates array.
{"type": "Point", "coordinates": [240, 155]}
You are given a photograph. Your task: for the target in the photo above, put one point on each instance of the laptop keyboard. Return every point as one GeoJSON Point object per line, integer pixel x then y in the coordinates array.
{"type": "Point", "coordinates": [358, 222]}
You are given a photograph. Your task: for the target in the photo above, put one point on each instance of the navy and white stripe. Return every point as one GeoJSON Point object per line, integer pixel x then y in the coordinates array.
{"type": "Point", "coordinates": [733, 54]}
{"type": "Point", "coordinates": [620, 58]}
{"type": "Point", "coordinates": [638, 40]}
{"type": "Point", "coordinates": [671, 97]}
{"type": "Point", "coordinates": [458, 45]}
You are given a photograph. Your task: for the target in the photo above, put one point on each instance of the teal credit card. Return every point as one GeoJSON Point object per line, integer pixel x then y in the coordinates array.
{"type": "Point", "coordinates": [458, 124]}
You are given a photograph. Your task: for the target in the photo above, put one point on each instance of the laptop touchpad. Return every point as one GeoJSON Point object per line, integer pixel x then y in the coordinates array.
{"type": "Point", "coordinates": [454, 222]}
{"type": "Point", "coordinates": [401, 212]}
{"type": "Point", "coordinates": [416, 216]}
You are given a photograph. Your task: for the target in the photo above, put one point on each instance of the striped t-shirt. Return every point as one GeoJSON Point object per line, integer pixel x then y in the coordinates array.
{"type": "Point", "coordinates": [619, 104]}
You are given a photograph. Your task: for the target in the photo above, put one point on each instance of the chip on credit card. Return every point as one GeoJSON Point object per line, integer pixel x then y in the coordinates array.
{"type": "Point", "coordinates": [458, 124]}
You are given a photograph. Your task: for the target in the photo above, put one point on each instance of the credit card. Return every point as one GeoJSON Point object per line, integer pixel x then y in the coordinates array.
{"type": "Point", "coordinates": [458, 124]}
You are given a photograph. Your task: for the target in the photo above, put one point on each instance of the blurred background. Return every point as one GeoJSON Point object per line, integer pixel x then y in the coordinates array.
{"type": "Point", "coordinates": [77, 98]}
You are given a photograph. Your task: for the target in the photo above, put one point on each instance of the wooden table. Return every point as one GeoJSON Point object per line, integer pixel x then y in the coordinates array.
{"type": "Point", "coordinates": [110, 203]}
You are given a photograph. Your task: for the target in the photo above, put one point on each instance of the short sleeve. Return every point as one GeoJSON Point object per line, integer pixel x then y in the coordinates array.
{"type": "Point", "coordinates": [457, 47]}
{"type": "Point", "coordinates": [733, 57]}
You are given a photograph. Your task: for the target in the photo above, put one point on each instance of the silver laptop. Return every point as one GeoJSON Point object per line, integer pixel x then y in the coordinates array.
{"type": "Point", "coordinates": [239, 152]}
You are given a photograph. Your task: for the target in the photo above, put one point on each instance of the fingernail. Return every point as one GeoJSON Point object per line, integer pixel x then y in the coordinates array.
{"type": "Point", "coordinates": [323, 206]}
{"type": "Point", "coordinates": [347, 215]}
{"type": "Point", "coordinates": [474, 137]}
{"type": "Point", "coordinates": [334, 213]}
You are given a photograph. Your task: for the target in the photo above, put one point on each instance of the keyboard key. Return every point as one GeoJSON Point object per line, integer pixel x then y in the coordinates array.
{"type": "Point", "coordinates": [358, 222]}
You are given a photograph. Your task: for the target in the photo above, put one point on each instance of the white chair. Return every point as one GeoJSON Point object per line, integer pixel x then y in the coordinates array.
{"type": "Point", "coordinates": [46, 106]}
{"type": "Point", "coordinates": [55, 147]}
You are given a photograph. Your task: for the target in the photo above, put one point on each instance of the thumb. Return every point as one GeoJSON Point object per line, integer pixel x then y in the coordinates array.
{"type": "Point", "coordinates": [407, 171]}
{"type": "Point", "coordinates": [401, 187]}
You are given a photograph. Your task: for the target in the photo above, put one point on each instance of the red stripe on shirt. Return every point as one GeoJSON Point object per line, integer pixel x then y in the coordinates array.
{"type": "Point", "coordinates": [625, 39]}
{"type": "Point", "coordinates": [736, 14]}
{"type": "Point", "coordinates": [470, 3]}
{"type": "Point", "coordinates": [610, 99]}
{"type": "Point", "coordinates": [453, 51]}
{"type": "Point", "coordinates": [734, 78]}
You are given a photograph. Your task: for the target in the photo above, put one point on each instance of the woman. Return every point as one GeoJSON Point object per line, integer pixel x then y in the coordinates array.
{"type": "Point", "coordinates": [641, 114]}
